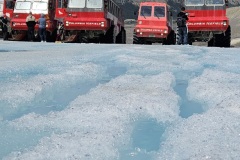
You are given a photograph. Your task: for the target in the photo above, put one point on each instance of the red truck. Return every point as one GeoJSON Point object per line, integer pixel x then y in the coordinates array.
{"type": "Point", "coordinates": [154, 24]}
{"type": "Point", "coordinates": [37, 7]}
{"type": "Point", "coordinates": [93, 21]}
{"type": "Point", "coordinates": [208, 22]}
{"type": "Point", "coordinates": [18, 10]}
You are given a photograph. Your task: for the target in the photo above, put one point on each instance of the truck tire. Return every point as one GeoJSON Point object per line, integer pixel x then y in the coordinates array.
{"type": "Point", "coordinates": [83, 39]}
{"type": "Point", "coordinates": [171, 39]}
{"type": "Point", "coordinates": [121, 37]}
{"type": "Point", "coordinates": [223, 40]}
{"type": "Point", "coordinates": [48, 36]}
{"type": "Point", "coordinates": [177, 36]}
{"type": "Point", "coordinates": [137, 40]}
{"type": "Point", "coordinates": [227, 37]}
{"type": "Point", "coordinates": [125, 37]}
{"type": "Point", "coordinates": [190, 39]}
{"type": "Point", "coordinates": [54, 35]}
{"type": "Point", "coordinates": [109, 36]}
{"type": "Point", "coordinates": [102, 38]}
{"type": "Point", "coordinates": [210, 42]}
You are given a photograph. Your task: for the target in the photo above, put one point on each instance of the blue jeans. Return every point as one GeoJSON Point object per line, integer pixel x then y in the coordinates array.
{"type": "Point", "coordinates": [42, 33]}
{"type": "Point", "coordinates": [183, 35]}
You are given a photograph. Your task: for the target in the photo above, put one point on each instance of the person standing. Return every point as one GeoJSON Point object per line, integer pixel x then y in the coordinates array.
{"type": "Point", "coordinates": [4, 25]}
{"type": "Point", "coordinates": [42, 28]}
{"type": "Point", "coordinates": [31, 22]}
{"type": "Point", "coordinates": [182, 27]}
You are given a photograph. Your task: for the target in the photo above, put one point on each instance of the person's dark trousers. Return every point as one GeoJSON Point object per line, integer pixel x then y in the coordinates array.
{"type": "Point", "coordinates": [183, 35]}
{"type": "Point", "coordinates": [42, 33]}
{"type": "Point", "coordinates": [30, 33]}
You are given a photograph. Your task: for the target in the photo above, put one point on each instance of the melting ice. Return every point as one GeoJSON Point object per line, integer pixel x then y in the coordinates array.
{"type": "Point", "coordinates": [118, 102]}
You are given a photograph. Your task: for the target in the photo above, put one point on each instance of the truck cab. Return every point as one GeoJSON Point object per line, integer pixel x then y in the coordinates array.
{"type": "Point", "coordinates": [154, 24]}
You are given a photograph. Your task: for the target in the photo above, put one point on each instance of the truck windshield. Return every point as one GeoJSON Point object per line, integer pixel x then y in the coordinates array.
{"type": "Point", "coordinates": [40, 6]}
{"type": "Point", "coordinates": [214, 2]}
{"type": "Point", "coordinates": [26, 5]}
{"type": "Point", "coordinates": [194, 2]}
{"type": "Point", "coordinates": [94, 4]}
{"type": "Point", "coordinates": [76, 4]}
{"type": "Point", "coordinates": [85, 4]}
{"type": "Point", "coordinates": [146, 11]}
{"type": "Point", "coordinates": [159, 11]}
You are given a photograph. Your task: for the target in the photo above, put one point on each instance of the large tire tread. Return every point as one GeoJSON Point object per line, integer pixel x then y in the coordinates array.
{"type": "Point", "coordinates": [121, 37]}
{"type": "Point", "coordinates": [223, 40]}
{"type": "Point", "coordinates": [109, 36]}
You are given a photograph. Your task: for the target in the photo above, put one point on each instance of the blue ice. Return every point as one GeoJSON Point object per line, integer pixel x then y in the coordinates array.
{"type": "Point", "coordinates": [118, 102]}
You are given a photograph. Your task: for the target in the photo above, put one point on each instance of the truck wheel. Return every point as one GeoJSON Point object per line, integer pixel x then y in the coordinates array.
{"type": "Point", "coordinates": [177, 36]}
{"type": "Point", "coordinates": [135, 39]}
{"type": "Point", "coordinates": [223, 40]}
{"type": "Point", "coordinates": [54, 35]}
{"type": "Point", "coordinates": [210, 42]}
{"type": "Point", "coordinates": [121, 37]}
{"type": "Point", "coordinates": [109, 36]}
{"type": "Point", "coordinates": [190, 39]}
{"type": "Point", "coordinates": [102, 38]}
{"type": "Point", "coordinates": [138, 40]}
{"type": "Point", "coordinates": [171, 39]}
{"type": "Point", "coordinates": [48, 36]}
{"type": "Point", "coordinates": [227, 38]}
{"type": "Point", "coordinates": [83, 39]}
{"type": "Point", "coordinates": [125, 37]}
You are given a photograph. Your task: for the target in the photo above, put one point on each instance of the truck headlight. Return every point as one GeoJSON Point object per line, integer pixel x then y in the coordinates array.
{"type": "Point", "coordinates": [165, 31]}
{"type": "Point", "coordinates": [67, 23]}
{"type": "Point", "coordinates": [224, 23]}
{"type": "Point", "coordinates": [138, 30]}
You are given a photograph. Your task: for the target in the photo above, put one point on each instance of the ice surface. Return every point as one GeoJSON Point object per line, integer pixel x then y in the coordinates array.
{"type": "Point", "coordinates": [126, 102]}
